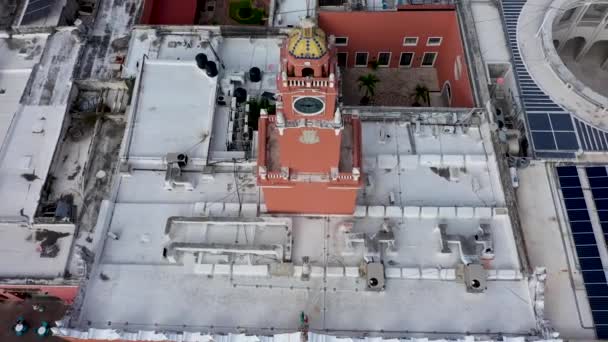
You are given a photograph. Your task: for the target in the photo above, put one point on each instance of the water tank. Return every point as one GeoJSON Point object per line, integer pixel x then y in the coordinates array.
{"type": "Point", "coordinates": [211, 68]}
{"type": "Point", "coordinates": [240, 94]}
{"type": "Point", "coordinates": [201, 61]}
{"type": "Point", "coordinates": [255, 74]}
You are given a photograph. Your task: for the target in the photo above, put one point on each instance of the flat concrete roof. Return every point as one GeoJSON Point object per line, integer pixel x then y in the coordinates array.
{"type": "Point", "coordinates": [134, 269]}
{"type": "Point", "coordinates": [289, 13]}
{"type": "Point", "coordinates": [21, 256]}
{"type": "Point", "coordinates": [407, 161]}
{"type": "Point", "coordinates": [174, 112]}
{"type": "Point", "coordinates": [440, 172]}
{"type": "Point", "coordinates": [33, 113]}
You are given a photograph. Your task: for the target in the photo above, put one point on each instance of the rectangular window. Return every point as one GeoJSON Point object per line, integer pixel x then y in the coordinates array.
{"type": "Point", "coordinates": [342, 59]}
{"type": "Point", "coordinates": [406, 60]}
{"type": "Point", "coordinates": [341, 41]}
{"type": "Point", "coordinates": [410, 41]}
{"type": "Point", "coordinates": [361, 59]}
{"type": "Point", "coordinates": [428, 60]}
{"type": "Point", "coordinates": [384, 59]}
{"type": "Point", "coordinates": [434, 41]}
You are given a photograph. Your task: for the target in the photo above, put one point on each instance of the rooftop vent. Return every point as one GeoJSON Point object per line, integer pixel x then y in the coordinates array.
{"type": "Point", "coordinates": [375, 276]}
{"type": "Point", "coordinates": [475, 278]}
{"type": "Point", "coordinates": [174, 177]}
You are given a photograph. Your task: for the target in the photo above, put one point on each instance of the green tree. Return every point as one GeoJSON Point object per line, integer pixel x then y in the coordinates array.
{"type": "Point", "coordinates": [421, 95]}
{"type": "Point", "coordinates": [368, 84]}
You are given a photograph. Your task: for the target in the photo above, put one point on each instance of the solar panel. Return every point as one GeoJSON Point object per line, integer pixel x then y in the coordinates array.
{"type": "Point", "coordinates": [601, 204]}
{"type": "Point", "coordinates": [591, 264]}
{"type": "Point", "coordinates": [570, 182]}
{"type": "Point", "coordinates": [575, 203]}
{"type": "Point", "coordinates": [573, 192]}
{"type": "Point", "coordinates": [565, 171]}
{"type": "Point", "coordinates": [561, 122]}
{"type": "Point", "coordinates": [584, 239]}
{"type": "Point", "coordinates": [578, 215]}
{"type": "Point", "coordinates": [594, 277]}
{"type": "Point", "coordinates": [598, 182]}
{"type": "Point", "coordinates": [599, 303]}
{"type": "Point", "coordinates": [596, 171]}
{"type": "Point", "coordinates": [581, 227]}
{"type": "Point", "coordinates": [36, 9]}
{"type": "Point", "coordinates": [600, 193]}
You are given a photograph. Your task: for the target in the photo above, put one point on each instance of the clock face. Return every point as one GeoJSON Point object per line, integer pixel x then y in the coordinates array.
{"type": "Point", "coordinates": [309, 105]}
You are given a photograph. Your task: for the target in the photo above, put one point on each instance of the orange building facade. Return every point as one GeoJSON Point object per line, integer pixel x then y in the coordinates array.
{"type": "Point", "coordinates": [309, 153]}
{"type": "Point", "coordinates": [18, 293]}
{"type": "Point", "coordinates": [406, 37]}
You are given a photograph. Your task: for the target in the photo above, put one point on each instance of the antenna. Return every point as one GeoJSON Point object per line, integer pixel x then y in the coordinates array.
{"type": "Point", "coordinates": [307, 8]}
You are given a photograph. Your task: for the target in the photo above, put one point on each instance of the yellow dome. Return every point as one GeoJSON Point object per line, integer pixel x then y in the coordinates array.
{"type": "Point", "coordinates": [307, 42]}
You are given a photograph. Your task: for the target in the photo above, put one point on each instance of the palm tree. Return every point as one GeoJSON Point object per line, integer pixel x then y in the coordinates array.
{"type": "Point", "coordinates": [368, 83]}
{"type": "Point", "coordinates": [421, 94]}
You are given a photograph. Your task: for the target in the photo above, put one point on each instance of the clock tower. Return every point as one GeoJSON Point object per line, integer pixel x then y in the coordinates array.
{"type": "Point", "coordinates": [309, 153]}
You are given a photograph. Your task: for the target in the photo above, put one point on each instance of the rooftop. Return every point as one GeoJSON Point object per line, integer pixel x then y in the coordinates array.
{"type": "Point", "coordinates": [35, 126]}
{"type": "Point", "coordinates": [214, 238]}
{"type": "Point", "coordinates": [33, 115]}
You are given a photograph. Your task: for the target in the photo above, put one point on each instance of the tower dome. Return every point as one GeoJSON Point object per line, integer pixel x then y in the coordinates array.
{"type": "Point", "coordinates": [307, 41]}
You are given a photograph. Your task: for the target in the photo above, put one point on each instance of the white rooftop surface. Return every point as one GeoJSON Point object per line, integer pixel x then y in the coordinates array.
{"type": "Point", "coordinates": [549, 244]}
{"type": "Point", "coordinates": [145, 186]}
{"type": "Point", "coordinates": [490, 34]}
{"type": "Point", "coordinates": [18, 57]}
{"type": "Point", "coordinates": [151, 335]}
{"type": "Point", "coordinates": [191, 95]}
{"type": "Point", "coordinates": [409, 165]}
{"type": "Point", "coordinates": [20, 257]}
{"type": "Point", "coordinates": [421, 278]}
{"type": "Point", "coordinates": [174, 97]}
{"type": "Point", "coordinates": [174, 111]}
{"type": "Point", "coordinates": [137, 272]}
{"type": "Point", "coordinates": [35, 129]}
{"type": "Point", "coordinates": [289, 13]}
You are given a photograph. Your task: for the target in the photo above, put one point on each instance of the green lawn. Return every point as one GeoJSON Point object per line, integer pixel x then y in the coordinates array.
{"type": "Point", "coordinates": [244, 13]}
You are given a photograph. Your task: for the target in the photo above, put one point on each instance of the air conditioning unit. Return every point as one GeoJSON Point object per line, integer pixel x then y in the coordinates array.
{"type": "Point", "coordinates": [375, 276]}
{"type": "Point", "coordinates": [173, 176]}
{"type": "Point", "coordinates": [475, 278]}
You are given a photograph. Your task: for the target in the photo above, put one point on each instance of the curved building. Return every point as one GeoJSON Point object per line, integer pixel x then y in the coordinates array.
{"type": "Point", "coordinates": [560, 56]}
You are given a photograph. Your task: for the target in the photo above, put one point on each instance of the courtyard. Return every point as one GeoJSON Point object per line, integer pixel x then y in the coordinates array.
{"type": "Point", "coordinates": [394, 86]}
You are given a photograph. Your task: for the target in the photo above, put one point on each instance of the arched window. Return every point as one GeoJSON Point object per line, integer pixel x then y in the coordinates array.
{"type": "Point", "coordinates": [446, 93]}
{"type": "Point", "coordinates": [308, 72]}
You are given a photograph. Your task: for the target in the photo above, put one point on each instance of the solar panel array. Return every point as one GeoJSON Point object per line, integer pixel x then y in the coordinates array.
{"type": "Point", "coordinates": [36, 9]}
{"type": "Point", "coordinates": [553, 130]}
{"type": "Point", "coordinates": [584, 238]}
{"type": "Point", "coordinates": [592, 138]}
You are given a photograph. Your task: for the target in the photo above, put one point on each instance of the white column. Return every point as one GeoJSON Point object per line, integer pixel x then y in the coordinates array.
{"type": "Point", "coordinates": [588, 44]}
{"type": "Point", "coordinates": [605, 64]}
{"type": "Point", "coordinates": [580, 11]}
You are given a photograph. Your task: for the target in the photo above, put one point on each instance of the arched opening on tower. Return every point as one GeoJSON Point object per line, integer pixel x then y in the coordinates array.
{"type": "Point", "coordinates": [308, 72]}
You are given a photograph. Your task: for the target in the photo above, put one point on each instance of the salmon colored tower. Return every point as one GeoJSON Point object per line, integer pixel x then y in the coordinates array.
{"type": "Point", "coordinates": [309, 154]}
